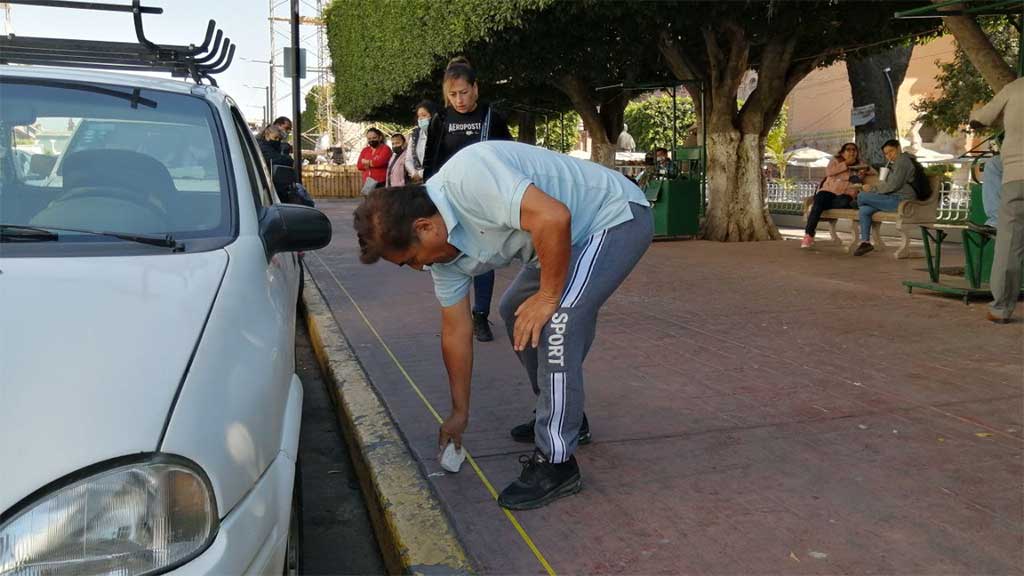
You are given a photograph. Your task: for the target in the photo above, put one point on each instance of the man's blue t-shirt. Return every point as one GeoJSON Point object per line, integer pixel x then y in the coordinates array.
{"type": "Point", "coordinates": [479, 191]}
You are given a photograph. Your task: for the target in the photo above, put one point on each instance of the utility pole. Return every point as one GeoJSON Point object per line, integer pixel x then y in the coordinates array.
{"type": "Point", "coordinates": [296, 94]}
{"type": "Point", "coordinates": [273, 50]}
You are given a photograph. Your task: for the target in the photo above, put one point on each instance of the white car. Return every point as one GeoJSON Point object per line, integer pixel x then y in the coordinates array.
{"type": "Point", "coordinates": [149, 407]}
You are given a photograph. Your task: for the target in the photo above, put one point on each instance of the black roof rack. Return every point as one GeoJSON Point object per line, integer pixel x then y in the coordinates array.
{"type": "Point", "coordinates": [200, 63]}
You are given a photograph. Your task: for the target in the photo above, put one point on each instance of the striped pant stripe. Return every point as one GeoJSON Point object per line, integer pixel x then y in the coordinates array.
{"type": "Point", "coordinates": [558, 448]}
{"type": "Point", "coordinates": [582, 271]}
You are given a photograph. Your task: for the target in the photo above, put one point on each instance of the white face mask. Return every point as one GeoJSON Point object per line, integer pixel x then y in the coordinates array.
{"type": "Point", "coordinates": [423, 123]}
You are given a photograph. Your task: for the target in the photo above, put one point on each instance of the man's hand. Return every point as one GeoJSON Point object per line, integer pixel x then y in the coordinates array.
{"type": "Point", "coordinates": [452, 429]}
{"type": "Point", "coordinates": [531, 317]}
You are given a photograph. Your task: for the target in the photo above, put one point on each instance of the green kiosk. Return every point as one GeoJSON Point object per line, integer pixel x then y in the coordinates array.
{"type": "Point", "coordinates": [677, 196]}
{"type": "Point", "coordinates": [677, 200]}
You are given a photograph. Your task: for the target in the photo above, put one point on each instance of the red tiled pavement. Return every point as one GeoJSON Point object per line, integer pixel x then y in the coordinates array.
{"type": "Point", "coordinates": [755, 409]}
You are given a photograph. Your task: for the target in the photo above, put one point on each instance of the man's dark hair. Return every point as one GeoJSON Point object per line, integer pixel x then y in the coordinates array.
{"type": "Point", "coordinates": [665, 150]}
{"type": "Point", "coordinates": [375, 131]}
{"type": "Point", "coordinates": [891, 144]}
{"type": "Point", "coordinates": [399, 135]}
{"type": "Point", "coordinates": [282, 120]}
{"type": "Point", "coordinates": [383, 222]}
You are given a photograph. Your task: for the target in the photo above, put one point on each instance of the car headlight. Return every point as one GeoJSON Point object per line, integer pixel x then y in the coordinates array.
{"type": "Point", "coordinates": [130, 520]}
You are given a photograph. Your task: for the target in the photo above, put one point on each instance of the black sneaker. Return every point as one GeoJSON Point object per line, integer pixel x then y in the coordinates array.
{"type": "Point", "coordinates": [482, 327]}
{"type": "Point", "coordinates": [524, 432]}
{"type": "Point", "coordinates": [863, 249]}
{"type": "Point", "coordinates": [541, 482]}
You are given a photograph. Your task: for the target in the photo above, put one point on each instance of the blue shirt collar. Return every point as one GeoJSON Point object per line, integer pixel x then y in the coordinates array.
{"type": "Point", "coordinates": [439, 196]}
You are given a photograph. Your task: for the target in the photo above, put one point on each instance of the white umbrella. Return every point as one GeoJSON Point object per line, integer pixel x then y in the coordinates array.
{"type": "Point", "coordinates": [928, 156]}
{"type": "Point", "coordinates": [806, 156]}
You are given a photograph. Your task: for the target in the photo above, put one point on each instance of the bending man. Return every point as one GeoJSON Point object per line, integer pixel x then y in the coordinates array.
{"type": "Point", "coordinates": [577, 228]}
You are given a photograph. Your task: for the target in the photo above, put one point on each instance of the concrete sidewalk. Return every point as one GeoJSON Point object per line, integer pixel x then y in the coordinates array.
{"type": "Point", "coordinates": [755, 409]}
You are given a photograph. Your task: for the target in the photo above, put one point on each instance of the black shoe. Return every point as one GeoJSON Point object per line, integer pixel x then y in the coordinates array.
{"type": "Point", "coordinates": [541, 482]}
{"type": "Point", "coordinates": [482, 327]}
{"type": "Point", "coordinates": [524, 432]}
{"type": "Point", "coordinates": [863, 249]}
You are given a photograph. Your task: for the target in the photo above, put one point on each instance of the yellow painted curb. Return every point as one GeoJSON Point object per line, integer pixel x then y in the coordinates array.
{"type": "Point", "coordinates": [414, 533]}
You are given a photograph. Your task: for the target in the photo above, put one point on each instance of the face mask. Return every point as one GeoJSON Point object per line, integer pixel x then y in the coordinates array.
{"type": "Point", "coordinates": [397, 149]}
{"type": "Point", "coordinates": [373, 143]}
{"type": "Point", "coordinates": [423, 123]}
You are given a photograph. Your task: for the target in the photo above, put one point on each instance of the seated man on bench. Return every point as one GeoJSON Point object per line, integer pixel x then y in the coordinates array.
{"type": "Point", "coordinates": [885, 196]}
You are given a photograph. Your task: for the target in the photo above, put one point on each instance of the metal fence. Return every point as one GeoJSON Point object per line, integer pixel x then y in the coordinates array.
{"type": "Point", "coordinates": [332, 181]}
{"type": "Point", "coordinates": [954, 200]}
{"type": "Point", "coordinates": [954, 204]}
{"type": "Point", "coordinates": [788, 198]}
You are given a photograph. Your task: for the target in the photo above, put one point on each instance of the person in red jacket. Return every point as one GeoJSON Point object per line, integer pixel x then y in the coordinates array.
{"type": "Point", "coordinates": [373, 160]}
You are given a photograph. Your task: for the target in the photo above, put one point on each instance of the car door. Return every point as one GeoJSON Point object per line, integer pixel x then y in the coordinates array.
{"type": "Point", "coordinates": [283, 269]}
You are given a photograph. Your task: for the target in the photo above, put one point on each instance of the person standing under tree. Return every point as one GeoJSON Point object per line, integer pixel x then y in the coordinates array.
{"type": "Point", "coordinates": [425, 110]}
{"type": "Point", "coordinates": [396, 174]}
{"type": "Point", "coordinates": [1007, 109]}
{"type": "Point", "coordinates": [465, 121]}
{"type": "Point", "coordinates": [373, 160]}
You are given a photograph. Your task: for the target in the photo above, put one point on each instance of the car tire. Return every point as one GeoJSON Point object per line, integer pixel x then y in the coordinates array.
{"type": "Point", "coordinates": [293, 545]}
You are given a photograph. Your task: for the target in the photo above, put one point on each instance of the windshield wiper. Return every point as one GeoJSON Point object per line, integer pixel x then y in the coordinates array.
{"type": "Point", "coordinates": [13, 233]}
{"type": "Point", "coordinates": [48, 233]}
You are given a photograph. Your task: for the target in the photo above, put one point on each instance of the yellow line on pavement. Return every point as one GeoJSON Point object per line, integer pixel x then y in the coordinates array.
{"type": "Point", "coordinates": [480, 474]}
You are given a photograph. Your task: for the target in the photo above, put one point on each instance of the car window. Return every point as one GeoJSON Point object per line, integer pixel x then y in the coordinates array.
{"type": "Point", "coordinates": [253, 161]}
{"type": "Point", "coordinates": [112, 159]}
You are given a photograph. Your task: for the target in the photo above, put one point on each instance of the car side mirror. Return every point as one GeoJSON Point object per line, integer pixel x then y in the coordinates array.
{"type": "Point", "coordinates": [294, 228]}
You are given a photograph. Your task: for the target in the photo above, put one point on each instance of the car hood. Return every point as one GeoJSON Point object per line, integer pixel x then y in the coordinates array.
{"type": "Point", "coordinates": [92, 351]}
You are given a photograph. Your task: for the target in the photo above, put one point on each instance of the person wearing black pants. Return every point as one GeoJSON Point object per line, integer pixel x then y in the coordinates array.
{"type": "Point", "coordinates": [836, 190]}
{"type": "Point", "coordinates": [465, 121]}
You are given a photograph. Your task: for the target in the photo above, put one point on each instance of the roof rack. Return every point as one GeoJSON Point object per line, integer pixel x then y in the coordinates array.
{"type": "Point", "coordinates": [200, 63]}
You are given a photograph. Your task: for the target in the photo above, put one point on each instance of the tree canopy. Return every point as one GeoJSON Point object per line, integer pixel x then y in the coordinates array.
{"type": "Point", "coordinates": [381, 49]}
{"type": "Point", "coordinates": [650, 121]}
{"type": "Point", "coordinates": [562, 54]}
{"type": "Point", "coordinates": [960, 82]}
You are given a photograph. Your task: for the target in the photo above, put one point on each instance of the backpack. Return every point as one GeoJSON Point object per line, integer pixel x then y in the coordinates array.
{"type": "Point", "coordinates": [920, 183]}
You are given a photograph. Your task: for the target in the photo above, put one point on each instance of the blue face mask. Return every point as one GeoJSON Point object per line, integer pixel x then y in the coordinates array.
{"type": "Point", "coordinates": [423, 123]}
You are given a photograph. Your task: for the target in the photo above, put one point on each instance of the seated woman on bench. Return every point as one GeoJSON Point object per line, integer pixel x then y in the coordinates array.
{"type": "Point", "coordinates": [838, 190]}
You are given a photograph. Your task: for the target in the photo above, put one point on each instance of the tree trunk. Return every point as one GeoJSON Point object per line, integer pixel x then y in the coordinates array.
{"type": "Point", "coordinates": [979, 50]}
{"type": "Point", "coordinates": [737, 207]}
{"type": "Point", "coordinates": [604, 125]}
{"type": "Point", "coordinates": [527, 128]}
{"type": "Point", "coordinates": [736, 189]}
{"type": "Point", "coordinates": [869, 85]}
{"type": "Point", "coordinates": [684, 71]}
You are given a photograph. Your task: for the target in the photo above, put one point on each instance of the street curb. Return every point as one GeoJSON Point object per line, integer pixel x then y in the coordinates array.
{"type": "Point", "coordinates": [414, 534]}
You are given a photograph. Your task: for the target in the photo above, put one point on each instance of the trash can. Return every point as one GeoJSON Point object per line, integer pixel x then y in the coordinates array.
{"type": "Point", "coordinates": [978, 251]}
{"type": "Point", "coordinates": [676, 205]}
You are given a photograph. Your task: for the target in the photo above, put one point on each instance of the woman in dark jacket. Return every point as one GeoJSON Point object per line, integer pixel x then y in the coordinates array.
{"type": "Point", "coordinates": [273, 147]}
{"type": "Point", "coordinates": [414, 160]}
{"type": "Point", "coordinates": [465, 121]}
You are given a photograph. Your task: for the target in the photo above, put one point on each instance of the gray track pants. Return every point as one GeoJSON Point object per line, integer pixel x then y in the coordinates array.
{"type": "Point", "coordinates": [1006, 267]}
{"type": "Point", "coordinates": [555, 369]}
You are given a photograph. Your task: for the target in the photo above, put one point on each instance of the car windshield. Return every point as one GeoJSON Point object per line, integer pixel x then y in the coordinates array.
{"type": "Point", "coordinates": [83, 158]}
